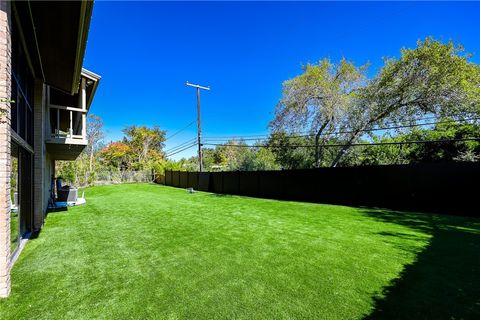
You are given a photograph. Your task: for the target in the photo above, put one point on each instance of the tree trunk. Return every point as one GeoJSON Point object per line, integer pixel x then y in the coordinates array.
{"type": "Point", "coordinates": [317, 151]}
{"type": "Point", "coordinates": [318, 148]}
{"type": "Point", "coordinates": [372, 121]}
{"type": "Point", "coordinates": [344, 149]}
{"type": "Point", "coordinates": [90, 167]}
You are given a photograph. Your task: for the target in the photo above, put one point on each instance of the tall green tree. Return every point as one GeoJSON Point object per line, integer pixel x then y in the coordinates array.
{"type": "Point", "coordinates": [117, 155]}
{"type": "Point", "coordinates": [338, 101]}
{"type": "Point", "coordinates": [434, 78]}
{"type": "Point", "coordinates": [316, 101]}
{"type": "Point", "coordinates": [232, 154]}
{"type": "Point", "coordinates": [288, 154]}
{"type": "Point", "coordinates": [146, 144]}
{"type": "Point", "coordinates": [444, 151]}
{"type": "Point", "coordinates": [213, 159]}
{"type": "Point", "coordinates": [265, 159]}
{"type": "Point", "coordinates": [95, 136]}
{"type": "Point", "coordinates": [237, 155]}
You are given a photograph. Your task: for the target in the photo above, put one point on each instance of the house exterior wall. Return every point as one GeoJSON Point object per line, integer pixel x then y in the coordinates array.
{"type": "Point", "coordinates": [39, 161]}
{"type": "Point", "coordinates": [34, 164]}
{"type": "Point", "coordinates": [47, 181]}
{"type": "Point", "coordinates": [5, 94]}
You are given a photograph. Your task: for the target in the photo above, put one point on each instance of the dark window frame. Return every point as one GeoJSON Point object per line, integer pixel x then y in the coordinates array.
{"type": "Point", "coordinates": [22, 89]}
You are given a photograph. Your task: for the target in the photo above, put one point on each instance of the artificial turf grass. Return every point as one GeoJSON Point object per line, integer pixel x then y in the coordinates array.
{"type": "Point", "coordinates": [148, 251]}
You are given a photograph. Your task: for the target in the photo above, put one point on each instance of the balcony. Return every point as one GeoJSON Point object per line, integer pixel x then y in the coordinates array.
{"type": "Point", "coordinates": [66, 136]}
{"type": "Point", "coordinates": [65, 125]}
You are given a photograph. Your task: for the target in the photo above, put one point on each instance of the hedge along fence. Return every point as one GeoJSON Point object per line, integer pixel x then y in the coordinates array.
{"type": "Point", "coordinates": [428, 187]}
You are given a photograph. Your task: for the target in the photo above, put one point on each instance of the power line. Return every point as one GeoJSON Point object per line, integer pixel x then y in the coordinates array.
{"type": "Point", "coordinates": [180, 145]}
{"type": "Point", "coordinates": [181, 150]}
{"type": "Point", "coordinates": [344, 132]}
{"type": "Point", "coordinates": [344, 145]}
{"type": "Point", "coordinates": [209, 141]}
{"type": "Point", "coordinates": [351, 131]}
{"type": "Point", "coordinates": [187, 143]}
{"type": "Point", "coordinates": [173, 135]}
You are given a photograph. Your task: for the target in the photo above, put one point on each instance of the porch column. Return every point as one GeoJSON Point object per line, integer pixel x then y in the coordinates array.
{"type": "Point", "coordinates": [83, 97]}
{"type": "Point", "coordinates": [5, 96]}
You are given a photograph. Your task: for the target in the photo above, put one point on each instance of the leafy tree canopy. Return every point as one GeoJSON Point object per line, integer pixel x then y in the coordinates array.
{"type": "Point", "coordinates": [434, 78]}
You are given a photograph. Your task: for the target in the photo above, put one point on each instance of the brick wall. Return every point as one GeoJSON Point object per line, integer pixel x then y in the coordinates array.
{"type": "Point", "coordinates": [5, 93]}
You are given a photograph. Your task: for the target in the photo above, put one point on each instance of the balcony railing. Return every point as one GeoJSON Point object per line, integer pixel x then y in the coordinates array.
{"type": "Point", "coordinates": [66, 123]}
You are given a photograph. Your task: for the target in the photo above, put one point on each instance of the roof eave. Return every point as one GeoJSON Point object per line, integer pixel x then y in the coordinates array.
{"type": "Point", "coordinates": [95, 78]}
{"type": "Point", "coordinates": [84, 25]}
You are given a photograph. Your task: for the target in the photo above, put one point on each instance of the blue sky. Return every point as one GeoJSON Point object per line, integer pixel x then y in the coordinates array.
{"type": "Point", "coordinates": [145, 51]}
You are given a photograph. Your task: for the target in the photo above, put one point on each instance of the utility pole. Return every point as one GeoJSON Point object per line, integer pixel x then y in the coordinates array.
{"type": "Point", "coordinates": [199, 127]}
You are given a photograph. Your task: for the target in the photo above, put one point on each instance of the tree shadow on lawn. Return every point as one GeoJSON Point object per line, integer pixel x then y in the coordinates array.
{"type": "Point", "coordinates": [444, 281]}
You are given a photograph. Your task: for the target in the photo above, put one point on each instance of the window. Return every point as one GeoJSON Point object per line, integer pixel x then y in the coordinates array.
{"type": "Point", "coordinates": [14, 199]}
{"type": "Point", "coordinates": [22, 90]}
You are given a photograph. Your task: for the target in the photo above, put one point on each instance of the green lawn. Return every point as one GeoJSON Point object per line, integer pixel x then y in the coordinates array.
{"type": "Point", "coordinates": [13, 230]}
{"type": "Point", "coordinates": [148, 251]}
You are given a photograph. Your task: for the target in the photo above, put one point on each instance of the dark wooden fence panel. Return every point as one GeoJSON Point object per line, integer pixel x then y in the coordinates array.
{"type": "Point", "coordinates": [160, 179]}
{"type": "Point", "coordinates": [176, 178]}
{"type": "Point", "coordinates": [204, 181]}
{"type": "Point", "coordinates": [428, 187]}
{"type": "Point", "coordinates": [193, 180]}
{"type": "Point", "coordinates": [248, 183]}
{"type": "Point", "coordinates": [168, 178]}
{"type": "Point", "coordinates": [183, 179]}
{"type": "Point", "coordinates": [231, 182]}
{"type": "Point", "coordinates": [216, 182]}
{"type": "Point", "coordinates": [271, 184]}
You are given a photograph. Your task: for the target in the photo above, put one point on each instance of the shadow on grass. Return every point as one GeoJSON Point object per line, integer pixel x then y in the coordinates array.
{"type": "Point", "coordinates": [57, 209]}
{"type": "Point", "coordinates": [221, 195]}
{"type": "Point", "coordinates": [444, 281]}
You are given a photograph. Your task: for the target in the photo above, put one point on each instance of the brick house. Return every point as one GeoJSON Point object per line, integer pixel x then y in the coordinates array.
{"type": "Point", "coordinates": [45, 95]}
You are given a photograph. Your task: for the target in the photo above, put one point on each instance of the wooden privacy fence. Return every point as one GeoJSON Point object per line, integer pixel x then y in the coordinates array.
{"type": "Point", "coordinates": [452, 188]}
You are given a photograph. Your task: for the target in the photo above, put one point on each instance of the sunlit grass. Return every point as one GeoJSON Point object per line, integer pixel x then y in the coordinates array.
{"type": "Point", "coordinates": [144, 251]}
